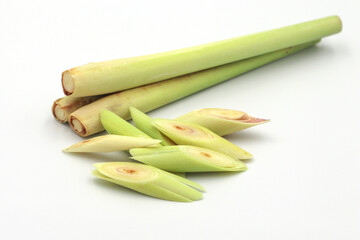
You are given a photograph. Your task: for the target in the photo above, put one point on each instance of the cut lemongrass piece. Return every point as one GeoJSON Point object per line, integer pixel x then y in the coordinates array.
{"type": "Point", "coordinates": [86, 120]}
{"type": "Point", "coordinates": [221, 121]}
{"type": "Point", "coordinates": [183, 158]}
{"type": "Point", "coordinates": [144, 123]}
{"type": "Point", "coordinates": [114, 124]}
{"type": "Point", "coordinates": [63, 107]}
{"type": "Point", "coordinates": [149, 181]}
{"type": "Point", "coordinates": [116, 75]}
{"type": "Point", "coordinates": [111, 143]}
{"type": "Point", "coordinates": [192, 134]}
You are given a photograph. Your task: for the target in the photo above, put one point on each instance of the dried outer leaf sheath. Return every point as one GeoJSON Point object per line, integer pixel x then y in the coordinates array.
{"type": "Point", "coordinates": [149, 180]}
{"type": "Point", "coordinates": [86, 120]}
{"type": "Point", "coordinates": [63, 107]}
{"type": "Point", "coordinates": [192, 134]}
{"type": "Point", "coordinates": [187, 159]}
{"type": "Point", "coordinates": [221, 121]}
{"type": "Point", "coordinates": [111, 76]}
{"type": "Point", "coordinates": [111, 143]}
{"type": "Point", "coordinates": [144, 123]}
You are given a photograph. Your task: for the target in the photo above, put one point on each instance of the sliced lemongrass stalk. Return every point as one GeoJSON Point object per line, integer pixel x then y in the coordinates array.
{"type": "Point", "coordinates": [192, 134]}
{"type": "Point", "coordinates": [144, 123]}
{"type": "Point", "coordinates": [183, 158]}
{"type": "Point", "coordinates": [111, 143]}
{"type": "Point", "coordinates": [114, 124]}
{"type": "Point", "coordinates": [116, 75]}
{"type": "Point", "coordinates": [63, 107]}
{"type": "Point", "coordinates": [86, 120]}
{"type": "Point", "coordinates": [144, 188]}
{"type": "Point", "coordinates": [221, 121]}
{"type": "Point", "coordinates": [149, 181]}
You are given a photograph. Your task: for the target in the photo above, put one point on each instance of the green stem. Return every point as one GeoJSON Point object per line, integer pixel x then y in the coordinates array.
{"type": "Point", "coordinates": [114, 124]}
{"type": "Point", "coordinates": [116, 75]}
{"type": "Point", "coordinates": [144, 123]}
{"type": "Point", "coordinates": [86, 121]}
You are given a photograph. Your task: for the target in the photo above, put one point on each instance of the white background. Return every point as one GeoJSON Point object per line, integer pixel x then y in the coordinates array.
{"type": "Point", "coordinates": [303, 183]}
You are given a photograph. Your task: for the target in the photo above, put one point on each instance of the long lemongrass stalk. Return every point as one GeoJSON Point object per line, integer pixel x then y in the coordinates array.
{"type": "Point", "coordinates": [112, 76]}
{"type": "Point", "coordinates": [86, 121]}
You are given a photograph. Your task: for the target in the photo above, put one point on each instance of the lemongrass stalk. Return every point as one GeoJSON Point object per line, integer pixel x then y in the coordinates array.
{"type": "Point", "coordinates": [149, 181]}
{"type": "Point", "coordinates": [144, 123]}
{"type": "Point", "coordinates": [116, 75]}
{"type": "Point", "coordinates": [183, 158]}
{"type": "Point", "coordinates": [222, 121]}
{"type": "Point", "coordinates": [63, 107]}
{"type": "Point", "coordinates": [192, 134]}
{"type": "Point", "coordinates": [111, 143]}
{"type": "Point", "coordinates": [114, 124]}
{"type": "Point", "coordinates": [86, 121]}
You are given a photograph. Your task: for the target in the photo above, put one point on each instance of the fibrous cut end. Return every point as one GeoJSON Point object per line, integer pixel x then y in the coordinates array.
{"type": "Point", "coordinates": [67, 82]}
{"type": "Point", "coordinates": [59, 113]}
{"type": "Point", "coordinates": [218, 159]}
{"type": "Point", "coordinates": [181, 129]}
{"type": "Point", "coordinates": [233, 115]}
{"type": "Point", "coordinates": [149, 180]}
{"type": "Point", "coordinates": [126, 171]}
{"type": "Point", "coordinates": [77, 126]}
{"type": "Point", "coordinates": [196, 135]}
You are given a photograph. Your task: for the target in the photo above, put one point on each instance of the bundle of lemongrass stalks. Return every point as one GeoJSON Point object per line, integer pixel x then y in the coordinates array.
{"type": "Point", "coordinates": [152, 81]}
{"type": "Point", "coordinates": [104, 95]}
